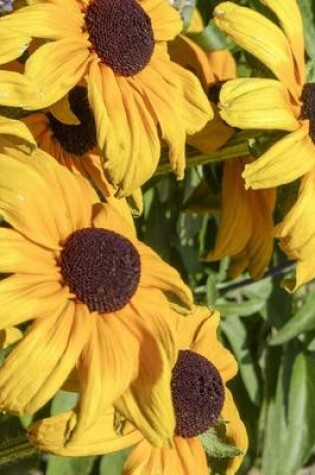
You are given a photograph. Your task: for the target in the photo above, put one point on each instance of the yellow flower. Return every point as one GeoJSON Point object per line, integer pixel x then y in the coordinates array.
{"type": "Point", "coordinates": [285, 103]}
{"type": "Point", "coordinates": [137, 94]}
{"type": "Point", "coordinates": [199, 395]}
{"type": "Point", "coordinates": [246, 225]}
{"type": "Point", "coordinates": [94, 293]}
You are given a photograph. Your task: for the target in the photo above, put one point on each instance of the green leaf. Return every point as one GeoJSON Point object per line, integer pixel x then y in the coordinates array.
{"type": "Point", "coordinates": [112, 464]}
{"type": "Point", "coordinates": [301, 416]}
{"type": "Point", "coordinates": [69, 465]}
{"type": "Point", "coordinates": [215, 447]}
{"type": "Point", "coordinates": [242, 309]}
{"type": "Point", "coordinates": [63, 401]}
{"type": "Point", "coordinates": [308, 17]}
{"type": "Point", "coordinates": [236, 333]}
{"type": "Point", "coordinates": [211, 38]}
{"type": "Point", "coordinates": [303, 320]}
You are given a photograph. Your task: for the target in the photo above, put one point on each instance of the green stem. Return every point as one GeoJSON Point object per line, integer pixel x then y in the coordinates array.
{"type": "Point", "coordinates": [16, 448]}
{"type": "Point", "coordinates": [236, 147]}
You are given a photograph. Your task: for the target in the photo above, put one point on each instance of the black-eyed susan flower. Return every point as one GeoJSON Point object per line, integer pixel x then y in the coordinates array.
{"type": "Point", "coordinates": [285, 103]}
{"type": "Point", "coordinates": [202, 367]}
{"type": "Point", "coordinates": [95, 296]}
{"type": "Point", "coordinates": [137, 94]}
{"type": "Point", "coordinates": [246, 225]}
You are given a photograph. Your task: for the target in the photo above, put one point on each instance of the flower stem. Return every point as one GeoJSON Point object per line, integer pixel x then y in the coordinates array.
{"type": "Point", "coordinates": [16, 448]}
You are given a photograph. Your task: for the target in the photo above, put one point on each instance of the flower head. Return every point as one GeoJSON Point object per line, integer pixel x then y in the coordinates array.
{"type": "Point", "coordinates": [199, 395]}
{"type": "Point", "coordinates": [136, 93]}
{"type": "Point", "coordinates": [282, 103]}
{"type": "Point", "coordinates": [89, 287]}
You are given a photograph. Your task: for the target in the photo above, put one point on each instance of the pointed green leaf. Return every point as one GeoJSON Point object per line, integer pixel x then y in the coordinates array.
{"type": "Point", "coordinates": [215, 447]}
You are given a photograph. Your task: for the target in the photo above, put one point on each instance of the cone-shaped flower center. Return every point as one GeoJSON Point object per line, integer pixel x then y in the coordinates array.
{"type": "Point", "coordinates": [121, 34]}
{"type": "Point", "coordinates": [198, 394]}
{"type": "Point", "coordinates": [81, 138]}
{"type": "Point", "coordinates": [308, 107]}
{"type": "Point", "coordinates": [101, 267]}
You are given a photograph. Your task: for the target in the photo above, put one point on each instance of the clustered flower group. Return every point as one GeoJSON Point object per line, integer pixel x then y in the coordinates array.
{"type": "Point", "coordinates": [104, 85]}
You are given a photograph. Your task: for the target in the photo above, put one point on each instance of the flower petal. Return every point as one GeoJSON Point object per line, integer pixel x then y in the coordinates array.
{"type": "Point", "coordinates": [288, 159]}
{"type": "Point", "coordinates": [39, 365]}
{"type": "Point", "coordinates": [65, 63]}
{"type": "Point", "coordinates": [17, 90]}
{"type": "Point", "coordinates": [23, 297]}
{"type": "Point", "coordinates": [206, 343]}
{"type": "Point", "coordinates": [42, 21]}
{"type": "Point", "coordinates": [235, 432]}
{"type": "Point", "coordinates": [50, 435]}
{"type": "Point", "coordinates": [257, 104]}
{"type": "Point", "coordinates": [9, 336]}
{"type": "Point", "coordinates": [290, 18]}
{"type": "Point", "coordinates": [116, 217]}
{"type": "Point", "coordinates": [165, 20]}
{"type": "Point", "coordinates": [260, 37]}
{"type": "Point", "coordinates": [17, 254]}
{"type": "Point", "coordinates": [13, 43]}
{"type": "Point", "coordinates": [158, 274]}
{"type": "Point", "coordinates": [147, 402]}
{"type": "Point", "coordinates": [17, 129]}
{"type": "Point", "coordinates": [297, 233]}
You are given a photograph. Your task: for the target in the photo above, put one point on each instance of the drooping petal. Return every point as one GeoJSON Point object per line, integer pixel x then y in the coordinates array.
{"type": "Point", "coordinates": [42, 21]}
{"type": "Point", "coordinates": [165, 20]}
{"type": "Point", "coordinates": [147, 402]}
{"type": "Point", "coordinates": [24, 297]}
{"type": "Point", "coordinates": [158, 274]}
{"type": "Point", "coordinates": [184, 458]}
{"type": "Point", "coordinates": [297, 233]}
{"type": "Point", "coordinates": [17, 129]}
{"type": "Point", "coordinates": [260, 37]}
{"type": "Point", "coordinates": [257, 104]}
{"type": "Point", "coordinates": [222, 64]}
{"type": "Point", "coordinates": [235, 432]}
{"type": "Point", "coordinates": [18, 90]}
{"type": "Point", "coordinates": [65, 63]}
{"type": "Point", "coordinates": [246, 225]}
{"type": "Point", "coordinates": [285, 161]}
{"type": "Point", "coordinates": [18, 254]}
{"type": "Point", "coordinates": [39, 365]}
{"type": "Point", "coordinates": [206, 343]}
{"type": "Point", "coordinates": [50, 435]}
{"type": "Point", "coordinates": [290, 18]}
{"type": "Point", "coordinates": [13, 43]}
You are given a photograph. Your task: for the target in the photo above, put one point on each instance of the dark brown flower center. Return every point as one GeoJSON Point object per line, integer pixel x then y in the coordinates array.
{"type": "Point", "coordinates": [308, 107]}
{"type": "Point", "coordinates": [198, 394]}
{"type": "Point", "coordinates": [76, 139]}
{"type": "Point", "coordinates": [121, 34]}
{"type": "Point", "coordinates": [101, 267]}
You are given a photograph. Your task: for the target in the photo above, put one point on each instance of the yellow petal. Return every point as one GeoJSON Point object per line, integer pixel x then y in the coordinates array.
{"type": "Point", "coordinates": [13, 43]}
{"type": "Point", "coordinates": [50, 435]}
{"type": "Point", "coordinates": [165, 20]}
{"type": "Point", "coordinates": [190, 56]}
{"type": "Point", "coordinates": [196, 23]}
{"type": "Point", "coordinates": [116, 217]}
{"type": "Point", "coordinates": [297, 233]}
{"type": "Point", "coordinates": [42, 21]}
{"type": "Point", "coordinates": [95, 93]}
{"type": "Point", "coordinates": [158, 274]}
{"type": "Point", "coordinates": [16, 128]}
{"type": "Point", "coordinates": [9, 336]}
{"type": "Point", "coordinates": [24, 297]}
{"type": "Point", "coordinates": [290, 18]}
{"type": "Point", "coordinates": [61, 110]}
{"type": "Point", "coordinates": [260, 37]}
{"type": "Point", "coordinates": [17, 90]}
{"type": "Point", "coordinates": [206, 343]}
{"type": "Point", "coordinates": [235, 432]}
{"type": "Point", "coordinates": [65, 63]}
{"type": "Point", "coordinates": [17, 254]}
{"type": "Point", "coordinates": [285, 161]}
{"type": "Point", "coordinates": [222, 64]}
{"type": "Point", "coordinates": [147, 403]}
{"type": "Point", "coordinates": [257, 104]}
{"type": "Point", "coordinates": [27, 380]}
